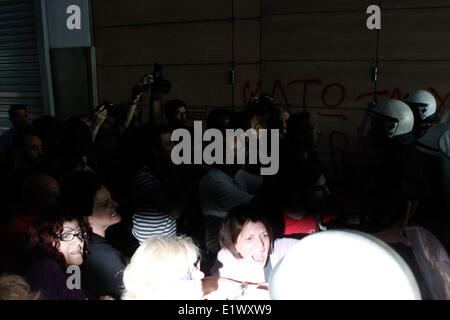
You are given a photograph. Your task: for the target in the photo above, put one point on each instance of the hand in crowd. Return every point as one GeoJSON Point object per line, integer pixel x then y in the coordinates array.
{"type": "Point", "coordinates": [132, 110]}
{"type": "Point", "coordinates": [225, 289]}
{"type": "Point", "coordinates": [135, 100]}
{"type": "Point", "coordinates": [100, 116]}
{"type": "Point", "coordinates": [146, 79]}
{"type": "Point", "coordinates": [256, 292]}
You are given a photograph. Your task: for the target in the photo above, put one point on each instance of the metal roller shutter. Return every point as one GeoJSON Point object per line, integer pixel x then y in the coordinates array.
{"type": "Point", "coordinates": [20, 81]}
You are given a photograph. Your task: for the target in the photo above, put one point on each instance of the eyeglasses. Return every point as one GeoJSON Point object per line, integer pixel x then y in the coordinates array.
{"type": "Point", "coordinates": [69, 236]}
{"type": "Point", "coordinates": [196, 268]}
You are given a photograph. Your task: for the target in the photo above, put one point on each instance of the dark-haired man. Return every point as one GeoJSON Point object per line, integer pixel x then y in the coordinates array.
{"type": "Point", "coordinates": [175, 112]}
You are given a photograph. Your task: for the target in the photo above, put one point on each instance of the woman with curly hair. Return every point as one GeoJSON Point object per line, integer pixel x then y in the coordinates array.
{"type": "Point", "coordinates": [102, 269]}
{"type": "Point", "coordinates": [56, 243]}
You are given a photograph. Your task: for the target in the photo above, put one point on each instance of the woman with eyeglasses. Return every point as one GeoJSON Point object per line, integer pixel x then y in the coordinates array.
{"type": "Point", "coordinates": [56, 243]}
{"type": "Point", "coordinates": [103, 267]}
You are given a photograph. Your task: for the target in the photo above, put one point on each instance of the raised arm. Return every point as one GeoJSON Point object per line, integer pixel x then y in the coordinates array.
{"type": "Point", "coordinates": [100, 117]}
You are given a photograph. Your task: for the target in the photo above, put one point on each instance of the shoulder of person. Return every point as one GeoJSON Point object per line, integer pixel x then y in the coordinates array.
{"type": "Point", "coordinates": [101, 251]}
{"type": "Point", "coordinates": [284, 244]}
{"type": "Point", "coordinates": [146, 176]}
{"type": "Point", "coordinates": [225, 264]}
{"type": "Point", "coordinates": [96, 246]}
{"type": "Point", "coordinates": [225, 255]}
{"type": "Point", "coordinates": [280, 248]}
{"type": "Point", "coordinates": [214, 173]}
{"type": "Point", "coordinates": [44, 268]}
{"type": "Point", "coordinates": [146, 172]}
{"type": "Point", "coordinates": [216, 178]}
{"type": "Point", "coordinates": [47, 264]}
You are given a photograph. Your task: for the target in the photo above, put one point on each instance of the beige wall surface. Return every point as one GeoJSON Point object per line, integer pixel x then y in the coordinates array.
{"type": "Point", "coordinates": [310, 55]}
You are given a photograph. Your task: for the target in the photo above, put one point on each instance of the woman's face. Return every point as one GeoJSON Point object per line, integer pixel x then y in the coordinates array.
{"type": "Point", "coordinates": [253, 243]}
{"type": "Point", "coordinates": [71, 243]}
{"type": "Point", "coordinates": [104, 213]}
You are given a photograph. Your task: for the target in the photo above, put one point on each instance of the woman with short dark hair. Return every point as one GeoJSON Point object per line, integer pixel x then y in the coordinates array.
{"type": "Point", "coordinates": [233, 225]}
{"type": "Point", "coordinates": [249, 251]}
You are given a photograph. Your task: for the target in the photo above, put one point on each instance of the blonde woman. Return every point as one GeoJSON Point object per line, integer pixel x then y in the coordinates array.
{"type": "Point", "coordinates": [164, 267]}
{"type": "Point", "coordinates": [14, 287]}
{"type": "Point", "coordinates": [168, 267]}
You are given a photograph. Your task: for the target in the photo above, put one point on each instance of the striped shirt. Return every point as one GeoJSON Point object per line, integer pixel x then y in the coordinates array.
{"type": "Point", "coordinates": [148, 220]}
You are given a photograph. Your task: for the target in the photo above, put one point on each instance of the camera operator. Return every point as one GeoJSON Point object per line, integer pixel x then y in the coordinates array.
{"type": "Point", "coordinates": [157, 86]}
{"type": "Point", "coordinates": [112, 123]}
{"type": "Point", "coordinates": [113, 118]}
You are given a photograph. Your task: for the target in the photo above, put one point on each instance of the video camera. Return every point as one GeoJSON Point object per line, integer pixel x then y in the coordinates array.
{"type": "Point", "coordinates": [113, 110]}
{"type": "Point", "coordinates": [159, 85]}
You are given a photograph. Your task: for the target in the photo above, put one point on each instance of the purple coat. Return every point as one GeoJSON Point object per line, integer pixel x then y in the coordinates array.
{"type": "Point", "coordinates": [47, 277]}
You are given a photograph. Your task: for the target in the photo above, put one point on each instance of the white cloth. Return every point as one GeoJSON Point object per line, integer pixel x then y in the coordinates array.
{"type": "Point", "coordinates": [219, 193]}
{"type": "Point", "coordinates": [227, 266]}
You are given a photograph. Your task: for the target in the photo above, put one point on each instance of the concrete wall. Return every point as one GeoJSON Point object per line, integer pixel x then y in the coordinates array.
{"type": "Point", "coordinates": [310, 55]}
{"type": "Point", "coordinates": [71, 82]}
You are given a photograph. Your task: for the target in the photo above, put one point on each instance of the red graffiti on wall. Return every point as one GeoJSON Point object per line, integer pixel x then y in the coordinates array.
{"type": "Point", "coordinates": [324, 93]}
{"type": "Point", "coordinates": [396, 94]}
{"type": "Point", "coordinates": [253, 93]}
{"type": "Point", "coordinates": [439, 100]}
{"type": "Point", "coordinates": [371, 94]}
{"type": "Point", "coordinates": [342, 116]}
{"type": "Point", "coordinates": [335, 145]}
{"type": "Point", "coordinates": [306, 83]}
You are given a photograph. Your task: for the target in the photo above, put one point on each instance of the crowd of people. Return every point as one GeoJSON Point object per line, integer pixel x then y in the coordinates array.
{"type": "Point", "coordinates": [100, 192]}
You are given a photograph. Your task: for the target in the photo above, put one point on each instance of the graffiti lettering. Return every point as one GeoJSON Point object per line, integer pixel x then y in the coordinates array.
{"type": "Point", "coordinates": [247, 89]}
{"type": "Point", "coordinates": [439, 100]}
{"type": "Point", "coordinates": [338, 141]}
{"type": "Point", "coordinates": [342, 116]}
{"type": "Point", "coordinates": [396, 94]}
{"type": "Point", "coordinates": [325, 90]}
{"type": "Point", "coordinates": [277, 84]}
{"type": "Point", "coordinates": [305, 82]}
{"type": "Point", "coordinates": [370, 94]}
